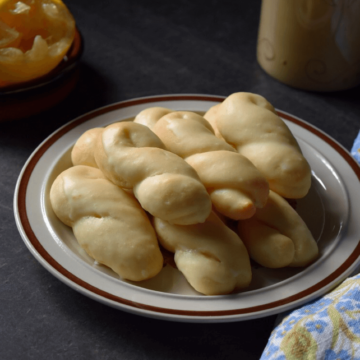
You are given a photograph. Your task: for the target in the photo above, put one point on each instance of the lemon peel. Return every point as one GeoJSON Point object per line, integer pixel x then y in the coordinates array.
{"type": "Point", "coordinates": [35, 35]}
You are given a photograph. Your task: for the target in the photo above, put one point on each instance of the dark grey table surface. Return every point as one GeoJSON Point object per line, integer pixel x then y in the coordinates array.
{"type": "Point", "coordinates": [134, 49]}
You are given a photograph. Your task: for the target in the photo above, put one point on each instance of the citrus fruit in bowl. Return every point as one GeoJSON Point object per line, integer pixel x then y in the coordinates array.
{"type": "Point", "coordinates": [35, 36]}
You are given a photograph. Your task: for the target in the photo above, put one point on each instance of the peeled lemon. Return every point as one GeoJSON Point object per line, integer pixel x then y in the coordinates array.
{"type": "Point", "coordinates": [35, 35]}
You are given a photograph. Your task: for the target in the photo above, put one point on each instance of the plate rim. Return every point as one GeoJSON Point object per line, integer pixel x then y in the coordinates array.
{"type": "Point", "coordinates": [87, 289]}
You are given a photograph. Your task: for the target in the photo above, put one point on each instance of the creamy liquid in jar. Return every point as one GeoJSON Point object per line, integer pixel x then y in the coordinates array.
{"type": "Point", "coordinates": [311, 44]}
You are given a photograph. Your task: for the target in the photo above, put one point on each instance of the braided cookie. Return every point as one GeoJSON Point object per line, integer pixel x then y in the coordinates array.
{"type": "Point", "coordinates": [276, 236]}
{"type": "Point", "coordinates": [83, 150]}
{"type": "Point", "coordinates": [249, 122]}
{"type": "Point", "coordinates": [108, 222]}
{"type": "Point", "coordinates": [133, 157]}
{"type": "Point", "coordinates": [235, 186]}
{"type": "Point", "coordinates": [211, 256]}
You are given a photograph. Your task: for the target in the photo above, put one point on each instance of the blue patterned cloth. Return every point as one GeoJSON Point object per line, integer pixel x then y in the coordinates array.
{"type": "Point", "coordinates": [325, 329]}
{"type": "Point", "coordinates": [355, 151]}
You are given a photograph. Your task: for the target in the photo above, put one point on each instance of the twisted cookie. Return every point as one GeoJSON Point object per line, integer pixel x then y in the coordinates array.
{"type": "Point", "coordinates": [235, 186]}
{"type": "Point", "coordinates": [211, 256]}
{"type": "Point", "coordinates": [107, 221]}
{"type": "Point", "coordinates": [83, 150]}
{"type": "Point", "coordinates": [276, 236]}
{"type": "Point", "coordinates": [134, 158]}
{"type": "Point", "coordinates": [249, 122]}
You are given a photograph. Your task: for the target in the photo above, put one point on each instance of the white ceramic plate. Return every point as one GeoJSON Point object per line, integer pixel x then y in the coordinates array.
{"type": "Point", "coordinates": [331, 210]}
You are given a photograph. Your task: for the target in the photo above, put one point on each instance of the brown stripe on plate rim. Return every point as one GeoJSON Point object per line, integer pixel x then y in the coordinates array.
{"type": "Point", "coordinates": [349, 159]}
{"type": "Point", "coordinates": [54, 264]}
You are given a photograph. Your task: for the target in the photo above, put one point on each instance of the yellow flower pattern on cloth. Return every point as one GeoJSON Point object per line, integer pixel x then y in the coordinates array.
{"type": "Point", "coordinates": [325, 329]}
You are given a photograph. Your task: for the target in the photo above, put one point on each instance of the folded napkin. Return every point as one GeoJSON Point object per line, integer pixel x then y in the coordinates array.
{"type": "Point", "coordinates": [325, 329]}
{"type": "Point", "coordinates": [355, 151]}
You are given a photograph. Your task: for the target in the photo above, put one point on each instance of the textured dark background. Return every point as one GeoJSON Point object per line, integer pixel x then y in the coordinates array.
{"type": "Point", "coordinates": [134, 49]}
